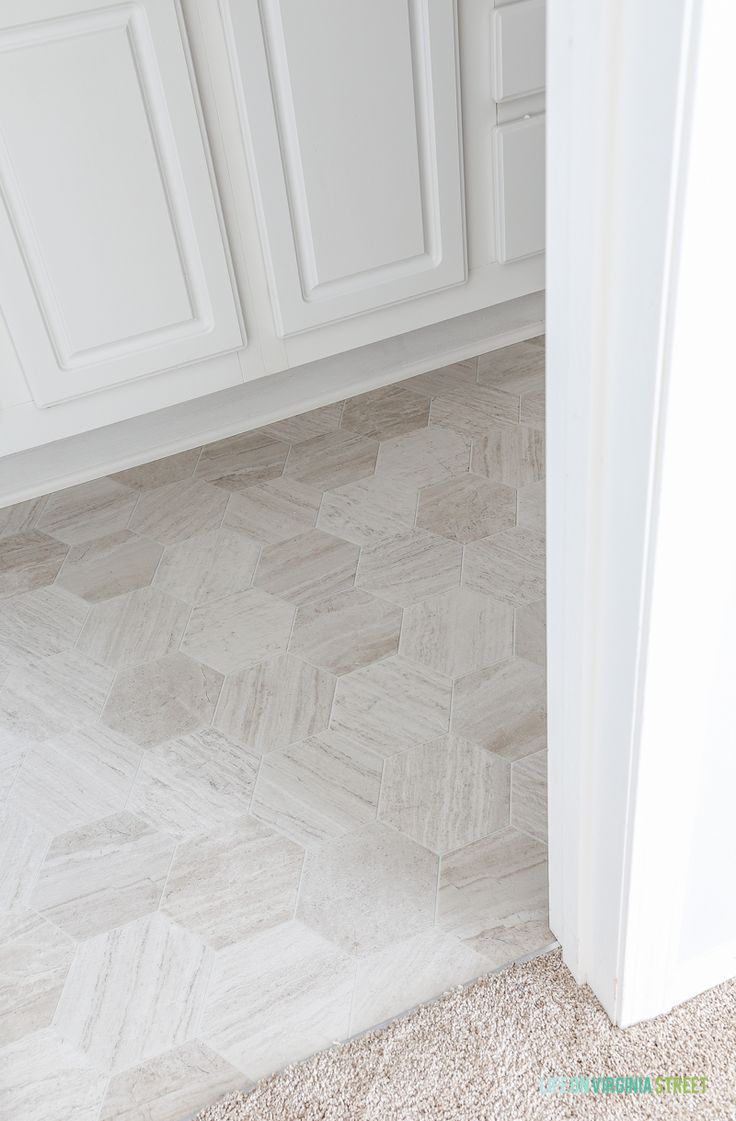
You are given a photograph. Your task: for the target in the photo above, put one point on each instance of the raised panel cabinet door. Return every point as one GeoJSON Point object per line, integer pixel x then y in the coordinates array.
{"type": "Point", "coordinates": [518, 169]}
{"type": "Point", "coordinates": [350, 117]}
{"type": "Point", "coordinates": [112, 261]}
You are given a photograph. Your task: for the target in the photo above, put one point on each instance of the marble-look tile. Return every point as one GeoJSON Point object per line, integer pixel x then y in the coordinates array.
{"type": "Point", "coordinates": [446, 378]}
{"type": "Point", "coordinates": [503, 708]}
{"type": "Point", "coordinates": [346, 631]}
{"type": "Point", "coordinates": [383, 413]}
{"type": "Point", "coordinates": [532, 410]}
{"type": "Point", "coordinates": [514, 369]}
{"type": "Point", "coordinates": [308, 567]}
{"type": "Point", "coordinates": [209, 566]}
{"type": "Point", "coordinates": [457, 632]}
{"type": "Point", "coordinates": [136, 627]}
{"type": "Point", "coordinates": [275, 703]}
{"type": "Point", "coordinates": [466, 508]}
{"type": "Point", "coordinates": [110, 566]}
{"type": "Point", "coordinates": [231, 883]}
{"type": "Point", "coordinates": [39, 1070]}
{"type": "Point", "coordinates": [317, 422]}
{"type": "Point", "coordinates": [391, 981]}
{"type": "Point", "coordinates": [194, 783]}
{"type": "Point", "coordinates": [369, 510]}
{"type": "Point", "coordinates": [320, 788]}
{"type": "Point", "coordinates": [445, 794]}
{"type": "Point", "coordinates": [29, 560]}
{"type": "Point", "coordinates": [38, 624]}
{"type": "Point", "coordinates": [530, 634]}
{"type": "Point", "coordinates": [171, 1086]}
{"type": "Point", "coordinates": [133, 993]}
{"type": "Point", "coordinates": [240, 461]}
{"type": "Point", "coordinates": [422, 458]}
{"type": "Point", "coordinates": [176, 511]}
{"type": "Point", "coordinates": [163, 699]}
{"type": "Point", "coordinates": [22, 517]}
{"type": "Point", "coordinates": [530, 510]}
{"type": "Point", "coordinates": [391, 705]}
{"type": "Point", "coordinates": [510, 455]}
{"type": "Point", "coordinates": [529, 795]}
{"type": "Point", "coordinates": [51, 696]}
{"type": "Point", "coordinates": [103, 875]}
{"type": "Point", "coordinates": [493, 896]}
{"type": "Point", "coordinates": [238, 631]}
{"type": "Point", "coordinates": [275, 511]}
{"type": "Point", "coordinates": [538, 340]}
{"type": "Point", "coordinates": [89, 510]}
{"type": "Point", "coordinates": [332, 460]}
{"type": "Point", "coordinates": [170, 469]}
{"type": "Point", "coordinates": [473, 410]}
{"type": "Point", "coordinates": [34, 961]}
{"type": "Point", "coordinates": [410, 567]}
{"type": "Point", "coordinates": [366, 890]}
{"type": "Point", "coordinates": [23, 845]}
{"type": "Point", "coordinates": [277, 997]}
{"type": "Point", "coordinates": [76, 778]}
{"type": "Point", "coordinates": [11, 757]}
{"type": "Point", "coordinates": [510, 566]}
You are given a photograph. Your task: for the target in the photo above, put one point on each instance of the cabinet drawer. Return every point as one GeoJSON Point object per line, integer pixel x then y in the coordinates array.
{"type": "Point", "coordinates": [518, 35]}
{"type": "Point", "coordinates": [518, 163]}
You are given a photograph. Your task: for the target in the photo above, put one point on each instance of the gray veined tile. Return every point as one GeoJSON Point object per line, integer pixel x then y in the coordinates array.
{"type": "Point", "coordinates": [277, 997]}
{"type": "Point", "coordinates": [176, 511]}
{"type": "Point", "coordinates": [163, 699]}
{"type": "Point", "coordinates": [366, 890]}
{"type": "Point", "coordinates": [21, 517]}
{"type": "Point", "coordinates": [275, 511]}
{"type": "Point", "coordinates": [369, 510]}
{"type": "Point", "coordinates": [51, 696]}
{"type": "Point", "coordinates": [320, 788]}
{"type": "Point", "coordinates": [451, 377]}
{"type": "Point", "coordinates": [239, 461]}
{"type": "Point", "coordinates": [171, 1086]}
{"type": "Point", "coordinates": [308, 567]}
{"type": "Point", "coordinates": [194, 783]}
{"type": "Point", "coordinates": [473, 410]}
{"type": "Point", "coordinates": [38, 1070]}
{"type": "Point", "coordinates": [510, 566]}
{"type": "Point", "coordinates": [503, 708]}
{"type": "Point", "coordinates": [275, 703]}
{"type": "Point", "coordinates": [133, 993]}
{"type": "Point", "coordinates": [493, 895]}
{"type": "Point", "coordinates": [457, 632]}
{"type": "Point", "coordinates": [510, 455]}
{"type": "Point", "coordinates": [466, 508]}
{"type": "Point", "coordinates": [445, 794]}
{"type": "Point", "coordinates": [29, 560]}
{"type": "Point", "coordinates": [530, 635]}
{"type": "Point", "coordinates": [103, 875]}
{"type": "Point", "coordinates": [231, 883]}
{"type": "Point", "coordinates": [514, 369]}
{"type": "Point", "coordinates": [317, 422]}
{"type": "Point", "coordinates": [239, 630]}
{"type": "Point", "coordinates": [410, 567]}
{"type": "Point", "coordinates": [332, 460]}
{"type": "Point", "coordinates": [422, 458]}
{"type": "Point", "coordinates": [110, 566]}
{"type": "Point", "coordinates": [530, 510]}
{"type": "Point", "coordinates": [38, 624]}
{"type": "Point", "coordinates": [136, 627]}
{"type": "Point", "coordinates": [209, 566]}
{"type": "Point", "coordinates": [529, 795]}
{"type": "Point", "coordinates": [34, 961]}
{"type": "Point", "coordinates": [538, 340]}
{"type": "Point", "coordinates": [23, 846]}
{"type": "Point", "coordinates": [386, 412]}
{"type": "Point", "coordinates": [391, 705]}
{"type": "Point", "coordinates": [93, 509]}
{"type": "Point", "coordinates": [170, 469]}
{"type": "Point", "coordinates": [532, 409]}
{"type": "Point", "coordinates": [346, 631]}
{"type": "Point", "coordinates": [11, 757]}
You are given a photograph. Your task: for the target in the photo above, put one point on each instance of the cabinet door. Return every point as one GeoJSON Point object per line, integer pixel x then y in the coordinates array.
{"type": "Point", "coordinates": [112, 263]}
{"type": "Point", "coordinates": [350, 115]}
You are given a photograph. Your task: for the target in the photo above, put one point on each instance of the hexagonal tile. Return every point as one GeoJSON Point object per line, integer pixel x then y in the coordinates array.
{"type": "Point", "coordinates": [503, 708]}
{"type": "Point", "coordinates": [445, 794]}
{"type": "Point", "coordinates": [21, 517]}
{"type": "Point", "coordinates": [176, 511]}
{"type": "Point", "coordinates": [163, 699]}
{"type": "Point", "coordinates": [513, 369]}
{"type": "Point", "coordinates": [110, 566]}
{"type": "Point", "coordinates": [275, 703]}
{"type": "Point", "coordinates": [445, 379]}
{"type": "Point", "coordinates": [532, 409]}
{"type": "Point", "coordinates": [530, 510]}
{"type": "Point", "coordinates": [510, 566]}
{"type": "Point", "coordinates": [410, 567]}
{"type": "Point", "coordinates": [391, 705]}
{"type": "Point", "coordinates": [466, 508]}
{"type": "Point", "coordinates": [231, 883]}
{"type": "Point", "coordinates": [23, 846]}
{"type": "Point", "coordinates": [209, 566]}
{"type": "Point", "coordinates": [133, 992]}
{"type": "Point", "coordinates": [29, 560]}
{"type": "Point", "coordinates": [457, 632]}
{"type": "Point", "coordinates": [305, 426]}
{"type": "Point", "coordinates": [346, 631]}
{"type": "Point", "coordinates": [386, 412]}
{"type": "Point", "coordinates": [51, 696]}
{"type": "Point", "coordinates": [510, 455]}
{"type": "Point", "coordinates": [275, 511]}
{"type": "Point", "coordinates": [473, 409]}
{"type": "Point", "coordinates": [103, 875]}
{"type": "Point", "coordinates": [137, 627]}
{"type": "Point", "coordinates": [170, 469]}
{"type": "Point", "coordinates": [529, 795]}
{"type": "Point", "coordinates": [39, 624]}
{"type": "Point", "coordinates": [239, 630]}
{"type": "Point", "coordinates": [422, 458]}
{"type": "Point", "coordinates": [34, 960]}
{"type": "Point", "coordinates": [332, 460]}
{"type": "Point", "coordinates": [368, 889]}
{"type": "Point", "coordinates": [322, 787]}
{"type": "Point", "coordinates": [89, 510]}
{"type": "Point", "coordinates": [307, 567]}
{"type": "Point", "coordinates": [369, 510]}
{"type": "Point", "coordinates": [239, 461]}
{"type": "Point", "coordinates": [78, 1087]}
{"type": "Point", "coordinates": [530, 634]}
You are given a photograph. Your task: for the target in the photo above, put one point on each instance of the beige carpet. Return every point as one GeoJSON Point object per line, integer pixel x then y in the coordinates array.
{"type": "Point", "coordinates": [477, 1054]}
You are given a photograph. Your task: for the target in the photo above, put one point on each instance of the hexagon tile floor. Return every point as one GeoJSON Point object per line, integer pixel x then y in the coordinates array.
{"type": "Point", "coordinates": [272, 736]}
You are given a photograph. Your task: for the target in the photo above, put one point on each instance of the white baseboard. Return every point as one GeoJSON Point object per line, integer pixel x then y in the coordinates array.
{"type": "Point", "coordinates": [128, 443]}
